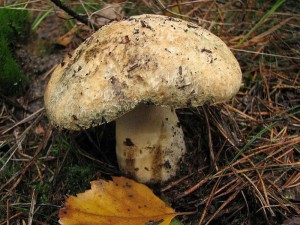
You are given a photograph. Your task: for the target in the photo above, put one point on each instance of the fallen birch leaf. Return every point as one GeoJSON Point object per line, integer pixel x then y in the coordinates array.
{"type": "Point", "coordinates": [121, 201]}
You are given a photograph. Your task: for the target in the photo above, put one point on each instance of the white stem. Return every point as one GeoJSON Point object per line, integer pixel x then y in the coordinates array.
{"type": "Point", "coordinates": [149, 143]}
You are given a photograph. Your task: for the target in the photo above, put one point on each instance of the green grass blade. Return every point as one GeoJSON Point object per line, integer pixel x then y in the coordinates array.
{"type": "Point", "coordinates": [40, 18]}
{"type": "Point", "coordinates": [262, 20]}
{"type": "Point", "coordinates": [258, 135]}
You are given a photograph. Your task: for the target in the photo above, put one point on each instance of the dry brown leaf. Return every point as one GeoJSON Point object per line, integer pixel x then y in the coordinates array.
{"type": "Point", "coordinates": [108, 13]}
{"type": "Point", "coordinates": [120, 201]}
{"type": "Point", "coordinates": [39, 129]}
{"type": "Point", "coordinates": [67, 38]}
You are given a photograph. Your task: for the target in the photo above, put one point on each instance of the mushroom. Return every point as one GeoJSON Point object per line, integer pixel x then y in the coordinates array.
{"type": "Point", "coordinates": [137, 72]}
{"type": "Point", "coordinates": [149, 143]}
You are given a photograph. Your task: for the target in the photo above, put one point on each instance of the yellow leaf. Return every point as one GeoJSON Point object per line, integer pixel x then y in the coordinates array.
{"type": "Point", "coordinates": [118, 202]}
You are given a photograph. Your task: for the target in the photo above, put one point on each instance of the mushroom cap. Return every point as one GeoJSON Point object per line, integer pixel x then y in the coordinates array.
{"type": "Point", "coordinates": [144, 59]}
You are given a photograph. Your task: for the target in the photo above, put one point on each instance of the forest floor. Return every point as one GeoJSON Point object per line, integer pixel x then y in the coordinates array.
{"type": "Point", "coordinates": [242, 165]}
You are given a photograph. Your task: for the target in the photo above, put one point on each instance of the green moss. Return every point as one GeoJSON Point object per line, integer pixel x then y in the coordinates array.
{"type": "Point", "coordinates": [76, 172]}
{"type": "Point", "coordinates": [43, 190]}
{"type": "Point", "coordinates": [77, 177]}
{"type": "Point", "coordinates": [12, 79]}
{"type": "Point", "coordinates": [12, 30]}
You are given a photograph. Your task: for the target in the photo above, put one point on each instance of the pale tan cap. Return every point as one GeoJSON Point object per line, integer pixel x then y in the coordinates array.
{"type": "Point", "coordinates": [144, 59]}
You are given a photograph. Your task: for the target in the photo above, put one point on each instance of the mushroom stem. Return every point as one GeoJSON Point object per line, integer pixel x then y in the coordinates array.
{"type": "Point", "coordinates": [149, 143]}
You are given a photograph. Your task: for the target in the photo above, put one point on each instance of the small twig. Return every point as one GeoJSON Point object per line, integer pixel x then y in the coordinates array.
{"type": "Point", "coordinates": [25, 120]}
{"type": "Point", "coordinates": [209, 201]}
{"type": "Point", "coordinates": [228, 188]}
{"type": "Point", "coordinates": [194, 188]}
{"type": "Point", "coordinates": [7, 212]}
{"type": "Point", "coordinates": [213, 164]}
{"type": "Point", "coordinates": [19, 175]}
{"type": "Point", "coordinates": [6, 222]}
{"type": "Point", "coordinates": [11, 102]}
{"type": "Point", "coordinates": [266, 54]}
{"type": "Point", "coordinates": [32, 207]}
{"type": "Point", "coordinates": [172, 184]}
{"type": "Point", "coordinates": [73, 14]}
{"type": "Point", "coordinates": [233, 196]}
